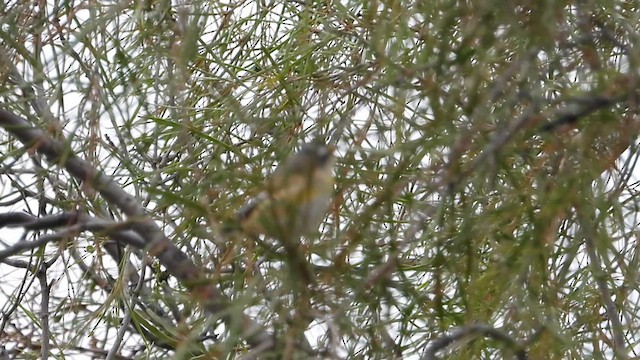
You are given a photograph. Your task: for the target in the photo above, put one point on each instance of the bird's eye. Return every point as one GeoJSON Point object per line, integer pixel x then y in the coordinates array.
{"type": "Point", "coordinates": [323, 154]}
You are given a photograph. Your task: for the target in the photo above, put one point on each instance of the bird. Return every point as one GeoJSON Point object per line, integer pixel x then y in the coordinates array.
{"type": "Point", "coordinates": [296, 197]}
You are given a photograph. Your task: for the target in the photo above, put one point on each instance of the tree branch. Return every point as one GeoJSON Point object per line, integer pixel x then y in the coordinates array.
{"type": "Point", "coordinates": [577, 108]}
{"type": "Point", "coordinates": [74, 223]}
{"type": "Point", "coordinates": [155, 242]}
{"type": "Point", "coordinates": [473, 331]}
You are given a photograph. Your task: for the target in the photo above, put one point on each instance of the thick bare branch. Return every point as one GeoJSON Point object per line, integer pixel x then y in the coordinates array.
{"type": "Point", "coordinates": [156, 243]}
{"type": "Point", "coordinates": [472, 331]}
{"type": "Point", "coordinates": [74, 224]}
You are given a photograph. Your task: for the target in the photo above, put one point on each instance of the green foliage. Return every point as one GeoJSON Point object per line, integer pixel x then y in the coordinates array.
{"type": "Point", "coordinates": [453, 207]}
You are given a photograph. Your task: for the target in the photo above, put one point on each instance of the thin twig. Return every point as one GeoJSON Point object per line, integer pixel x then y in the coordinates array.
{"type": "Point", "coordinates": [588, 232]}
{"type": "Point", "coordinates": [44, 312]}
